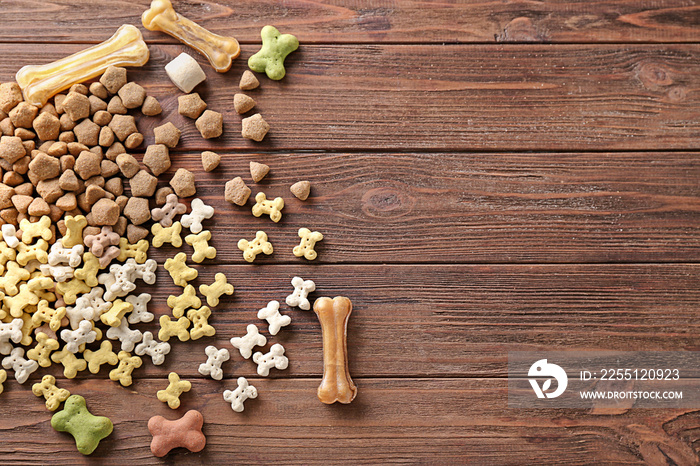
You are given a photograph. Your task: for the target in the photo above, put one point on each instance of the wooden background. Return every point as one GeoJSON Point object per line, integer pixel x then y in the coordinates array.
{"type": "Point", "coordinates": [489, 176]}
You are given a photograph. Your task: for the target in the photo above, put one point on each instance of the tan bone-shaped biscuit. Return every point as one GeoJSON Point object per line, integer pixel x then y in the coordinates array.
{"type": "Point", "coordinates": [336, 384]}
{"type": "Point", "coordinates": [40, 82]}
{"type": "Point", "coordinates": [273, 207]}
{"type": "Point", "coordinates": [306, 245]}
{"type": "Point", "coordinates": [219, 50]}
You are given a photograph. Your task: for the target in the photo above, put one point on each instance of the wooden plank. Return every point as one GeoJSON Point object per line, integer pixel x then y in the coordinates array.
{"type": "Point", "coordinates": [342, 21]}
{"type": "Point", "coordinates": [459, 208]}
{"type": "Point", "coordinates": [392, 420]}
{"type": "Point", "coordinates": [442, 320]}
{"type": "Point", "coordinates": [422, 97]}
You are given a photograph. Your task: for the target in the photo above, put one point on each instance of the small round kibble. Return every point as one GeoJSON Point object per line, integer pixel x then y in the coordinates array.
{"type": "Point", "coordinates": [151, 106]}
{"type": "Point", "coordinates": [132, 95]}
{"type": "Point", "coordinates": [133, 141]}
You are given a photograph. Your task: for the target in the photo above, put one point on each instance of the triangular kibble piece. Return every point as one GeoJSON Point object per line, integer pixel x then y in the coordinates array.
{"type": "Point", "coordinates": [301, 189]}
{"type": "Point", "coordinates": [248, 81]}
{"type": "Point", "coordinates": [258, 171]}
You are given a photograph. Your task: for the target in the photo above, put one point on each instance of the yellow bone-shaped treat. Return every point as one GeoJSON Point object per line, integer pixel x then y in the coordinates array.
{"type": "Point", "coordinates": [138, 251]}
{"type": "Point", "coordinates": [31, 230]}
{"type": "Point", "coordinates": [47, 388]}
{"type": "Point", "coordinates": [42, 351]}
{"type": "Point", "coordinates": [308, 242]}
{"type": "Point", "coordinates": [125, 48]}
{"type": "Point", "coordinates": [219, 50]}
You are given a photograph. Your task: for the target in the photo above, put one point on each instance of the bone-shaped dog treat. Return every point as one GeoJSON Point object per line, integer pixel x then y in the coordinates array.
{"type": "Point", "coordinates": [299, 298]}
{"type": "Point", "coordinates": [215, 358]}
{"type": "Point", "coordinates": [271, 313]}
{"type": "Point", "coordinates": [240, 394]}
{"type": "Point", "coordinates": [336, 384]}
{"type": "Point", "coordinates": [185, 432]}
{"type": "Point", "coordinates": [125, 48]}
{"type": "Point", "coordinates": [252, 338]}
{"type": "Point", "coordinates": [219, 50]}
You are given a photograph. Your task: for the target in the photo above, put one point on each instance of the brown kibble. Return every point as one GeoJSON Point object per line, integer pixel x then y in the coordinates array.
{"type": "Point", "coordinates": [121, 202]}
{"type": "Point", "coordinates": [132, 95]}
{"type": "Point", "coordinates": [22, 202]}
{"type": "Point", "coordinates": [47, 126]}
{"type": "Point", "coordinates": [44, 147]}
{"type": "Point", "coordinates": [242, 103]}
{"type": "Point", "coordinates": [25, 188]}
{"type": "Point", "coordinates": [210, 160]}
{"type": "Point", "coordinates": [29, 146]}
{"type": "Point", "coordinates": [133, 233]}
{"type": "Point", "coordinates": [116, 107]}
{"type": "Point", "coordinates": [10, 215]}
{"type": "Point", "coordinates": [58, 103]}
{"type": "Point", "coordinates": [44, 167]}
{"type": "Point", "coordinates": [10, 96]}
{"type": "Point", "coordinates": [76, 106]}
{"type": "Point", "coordinates": [24, 134]}
{"type": "Point", "coordinates": [210, 124]}
{"type": "Point", "coordinates": [258, 171]}
{"type": "Point", "coordinates": [115, 186]}
{"type": "Point", "coordinates": [137, 210]}
{"type": "Point", "coordinates": [91, 231]}
{"type": "Point", "coordinates": [157, 158]}
{"type": "Point", "coordinates": [87, 132]}
{"type": "Point", "coordinates": [93, 193]}
{"type": "Point", "coordinates": [23, 115]}
{"type": "Point", "coordinates": [79, 88]}
{"type": "Point", "coordinates": [67, 162]}
{"type": "Point", "coordinates": [134, 140]}
{"type": "Point", "coordinates": [162, 194]}
{"type": "Point", "coordinates": [191, 105]}
{"type": "Point", "coordinates": [113, 79]}
{"type": "Point", "coordinates": [167, 134]}
{"type": "Point", "coordinates": [48, 108]}
{"type": "Point", "coordinates": [66, 123]}
{"type": "Point", "coordinates": [96, 104]}
{"type": "Point", "coordinates": [67, 202]}
{"type": "Point", "coordinates": [248, 81]}
{"type": "Point", "coordinates": [254, 127]}
{"type": "Point", "coordinates": [182, 183]}
{"type": "Point", "coordinates": [106, 138]}
{"type": "Point", "coordinates": [75, 148]}
{"type": "Point", "coordinates": [69, 182]}
{"type": "Point", "coordinates": [102, 117]}
{"type": "Point", "coordinates": [108, 168]}
{"type": "Point", "coordinates": [143, 184]}
{"type": "Point", "coordinates": [123, 126]}
{"type": "Point", "coordinates": [151, 106]}
{"type": "Point", "coordinates": [38, 207]}
{"type": "Point", "coordinates": [55, 214]}
{"type": "Point", "coordinates": [57, 149]}
{"type": "Point", "coordinates": [120, 227]}
{"type": "Point", "coordinates": [95, 180]}
{"type": "Point", "coordinates": [11, 149]}
{"type": "Point", "coordinates": [22, 165]}
{"type": "Point", "coordinates": [6, 127]}
{"type": "Point", "coordinates": [98, 89]}
{"type": "Point", "coordinates": [6, 194]}
{"type": "Point", "coordinates": [83, 204]}
{"type": "Point", "coordinates": [128, 165]}
{"type": "Point", "coordinates": [236, 191]}
{"type": "Point", "coordinates": [49, 190]}
{"type": "Point", "coordinates": [105, 212]}
{"type": "Point", "coordinates": [301, 189]}
{"type": "Point", "coordinates": [114, 150]}
{"type": "Point", "coordinates": [87, 165]}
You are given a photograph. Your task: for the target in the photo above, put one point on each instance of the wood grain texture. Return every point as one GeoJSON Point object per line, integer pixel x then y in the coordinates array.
{"type": "Point", "coordinates": [433, 98]}
{"type": "Point", "coordinates": [392, 420]}
{"type": "Point", "coordinates": [464, 21]}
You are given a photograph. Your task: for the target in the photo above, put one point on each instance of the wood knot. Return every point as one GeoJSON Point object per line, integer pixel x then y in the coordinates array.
{"type": "Point", "coordinates": [654, 75]}
{"type": "Point", "coordinates": [521, 30]}
{"type": "Point", "coordinates": [677, 94]}
{"type": "Point", "coordinates": [386, 202]}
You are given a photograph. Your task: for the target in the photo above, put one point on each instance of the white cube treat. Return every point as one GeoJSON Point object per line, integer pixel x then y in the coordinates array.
{"type": "Point", "coordinates": [185, 72]}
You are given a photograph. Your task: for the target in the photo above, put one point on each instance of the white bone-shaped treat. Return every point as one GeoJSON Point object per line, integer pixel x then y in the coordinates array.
{"type": "Point", "coordinates": [155, 349]}
{"type": "Point", "coordinates": [125, 335]}
{"type": "Point", "coordinates": [140, 312]}
{"type": "Point", "coordinates": [252, 338]}
{"type": "Point", "coordinates": [83, 334]}
{"type": "Point", "coordinates": [9, 235]}
{"type": "Point", "coordinates": [145, 271]}
{"type": "Point", "coordinates": [60, 273]}
{"type": "Point", "coordinates": [79, 312]}
{"type": "Point", "coordinates": [95, 301]}
{"type": "Point", "coordinates": [299, 297]}
{"type": "Point", "coordinates": [22, 367]}
{"type": "Point", "coordinates": [185, 72]}
{"type": "Point", "coordinates": [271, 313]}
{"type": "Point", "coordinates": [11, 331]}
{"type": "Point", "coordinates": [200, 211]}
{"type": "Point", "coordinates": [274, 358]}
{"type": "Point", "coordinates": [71, 256]}
{"type": "Point", "coordinates": [240, 394]}
{"type": "Point", "coordinates": [119, 281]}
{"type": "Point", "coordinates": [215, 358]}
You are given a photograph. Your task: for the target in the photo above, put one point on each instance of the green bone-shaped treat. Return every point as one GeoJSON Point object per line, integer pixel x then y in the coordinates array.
{"type": "Point", "coordinates": [275, 48]}
{"type": "Point", "coordinates": [86, 428]}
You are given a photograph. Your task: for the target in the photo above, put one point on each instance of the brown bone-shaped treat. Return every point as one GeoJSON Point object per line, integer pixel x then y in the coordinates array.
{"type": "Point", "coordinates": [219, 50]}
{"type": "Point", "coordinates": [100, 242]}
{"type": "Point", "coordinates": [336, 384]}
{"type": "Point", "coordinates": [185, 432]}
